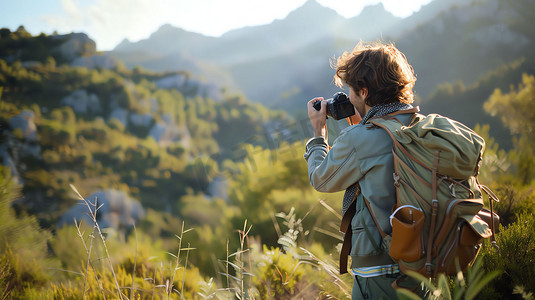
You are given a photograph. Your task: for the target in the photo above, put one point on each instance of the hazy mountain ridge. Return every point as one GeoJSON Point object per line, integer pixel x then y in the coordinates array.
{"type": "Point", "coordinates": [465, 103]}
{"type": "Point", "coordinates": [287, 62]}
{"type": "Point", "coordinates": [464, 43]}
{"type": "Point", "coordinates": [169, 39]}
{"type": "Point", "coordinates": [370, 24]}
{"type": "Point", "coordinates": [300, 27]}
{"type": "Point", "coordinates": [302, 30]}
{"type": "Point", "coordinates": [253, 49]}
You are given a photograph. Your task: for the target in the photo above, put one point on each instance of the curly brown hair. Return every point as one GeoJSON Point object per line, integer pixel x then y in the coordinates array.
{"type": "Point", "coordinates": [380, 68]}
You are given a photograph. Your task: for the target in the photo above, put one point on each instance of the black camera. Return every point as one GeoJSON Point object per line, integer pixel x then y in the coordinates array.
{"type": "Point", "coordinates": [338, 107]}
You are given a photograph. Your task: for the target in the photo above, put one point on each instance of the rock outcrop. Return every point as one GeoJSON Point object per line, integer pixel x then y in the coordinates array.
{"type": "Point", "coordinates": [95, 61]}
{"type": "Point", "coordinates": [81, 102]}
{"type": "Point", "coordinates": [118, 210]}
{"type": "Point", "coordinates": [76, 45]}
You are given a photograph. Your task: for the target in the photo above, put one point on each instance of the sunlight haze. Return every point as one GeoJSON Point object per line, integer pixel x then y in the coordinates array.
{"type": "Point", "coordinates": [109, 22]}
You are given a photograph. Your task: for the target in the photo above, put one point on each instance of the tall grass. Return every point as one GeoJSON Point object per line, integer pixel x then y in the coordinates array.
{"type": "Point", "coordinates": [93, 208]}
{"type": "Point", "coordinates": [238, 281]}
{"type": "Point", "coordinates": [177, 267]}
{"type": "Point", "coordinates": [160, 283]}
{"type": "Point", "coordinates": [296, 269]}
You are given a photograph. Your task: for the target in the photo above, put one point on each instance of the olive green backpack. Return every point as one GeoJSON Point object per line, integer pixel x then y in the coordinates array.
{"type": "Point", "coordinates": [438, 222]}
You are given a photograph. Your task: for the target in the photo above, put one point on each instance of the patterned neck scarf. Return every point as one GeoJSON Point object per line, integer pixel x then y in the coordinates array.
{"type": "Point", "coordinates": [383, 110]}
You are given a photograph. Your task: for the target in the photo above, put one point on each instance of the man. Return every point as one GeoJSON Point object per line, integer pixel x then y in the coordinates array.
{"type": "Point", "coordinates": [380, 82]}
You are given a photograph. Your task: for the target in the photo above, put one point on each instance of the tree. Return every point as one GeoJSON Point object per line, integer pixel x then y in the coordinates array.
{"type": "Point", "coordinates": [22, 33]}
{"type": "Point", "coordinates": [516, 108]}
{"type": "Point", "coordinates": [517, 111]}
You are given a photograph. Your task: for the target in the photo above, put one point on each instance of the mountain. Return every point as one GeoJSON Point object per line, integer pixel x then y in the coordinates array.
{"type": "Point", "coordinates": [299, 28]}
{"type": "Point", "coordinates": [307, 21]}
{"type": "Point", "coordinates": [465, 42]}
{"type": "Point", "coordinates": [287, 62]}
{"type": "Point", "coordinates": [369, 24]}
{"type": "Point", "coordinates": [426, 14]}
{"type": "Point", "coordinates": [245, 59]}
{"type": "Point", "coordinates": [465, 103]}
{"type": "Point", "coordinates": [168, 39]}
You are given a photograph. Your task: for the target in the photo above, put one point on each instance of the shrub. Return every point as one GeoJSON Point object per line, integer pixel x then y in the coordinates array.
{"type": "Point", "coordinates": [515, 258]}
{"type": "Point", "coordinates": [23, 244]}
{"type": "Point", "coordinates": [279, 275]}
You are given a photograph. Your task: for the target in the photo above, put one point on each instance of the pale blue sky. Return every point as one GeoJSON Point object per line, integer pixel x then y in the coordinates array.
{"type": "Point", "coordinates": [108, 22]}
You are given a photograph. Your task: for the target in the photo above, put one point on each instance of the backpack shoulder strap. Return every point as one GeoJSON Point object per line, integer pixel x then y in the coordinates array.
{"type": "Point", "coordinates": [391, 125]}
{"type": "Point", "coordinates": [383, 234]}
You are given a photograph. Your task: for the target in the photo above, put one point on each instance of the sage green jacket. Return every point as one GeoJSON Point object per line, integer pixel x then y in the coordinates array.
{"type": "Point", "coordinates": [361, 153]}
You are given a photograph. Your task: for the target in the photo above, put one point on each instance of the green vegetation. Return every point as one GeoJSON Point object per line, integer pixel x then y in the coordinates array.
{"type": "Point", "coordinates": [514, 185]}
{"type": "Point", "coordinates": [21, 45]}
{"type": "Point", "coordinates": [185, 245]}
{"type": "Point", "coordinates": [110, 153]}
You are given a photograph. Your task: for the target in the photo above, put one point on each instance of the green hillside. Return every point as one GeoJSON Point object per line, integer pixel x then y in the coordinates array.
{"type": "Point", "coordinates": [173, 156]}
{"type": "Point", "coordinates": [118, 151]}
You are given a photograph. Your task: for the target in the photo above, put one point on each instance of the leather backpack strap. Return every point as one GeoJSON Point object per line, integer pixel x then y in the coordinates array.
{"type": "Point", "coordinates": [434, 211]}
{"type": "Point", "coordinates": [492, 198]}
{"type": "Point", "coordinates": [345, 227]}
{"type": "Point", "coordinates": [383, 234]}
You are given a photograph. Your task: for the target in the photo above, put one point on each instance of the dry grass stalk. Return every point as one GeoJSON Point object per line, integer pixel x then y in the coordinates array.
{"type": "Point", "coordinates": [93, 216]}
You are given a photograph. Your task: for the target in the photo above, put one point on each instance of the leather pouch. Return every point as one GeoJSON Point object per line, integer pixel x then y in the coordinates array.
{"type": "Point", "coordinates": [407, 240]}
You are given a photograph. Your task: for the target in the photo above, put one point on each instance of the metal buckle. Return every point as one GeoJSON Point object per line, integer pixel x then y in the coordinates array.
{"type": "Point", "coordinates": [396, 179]}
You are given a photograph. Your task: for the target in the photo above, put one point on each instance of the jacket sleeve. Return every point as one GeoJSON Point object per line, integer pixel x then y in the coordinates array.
{"type": "Point", "coordinates": [335, 169]}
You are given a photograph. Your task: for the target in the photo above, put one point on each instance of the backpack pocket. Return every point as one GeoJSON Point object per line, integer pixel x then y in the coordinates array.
{"type": "Point", "coordinates": [407, 240]}
{"type": "Point", "coordinates": [463, 246]}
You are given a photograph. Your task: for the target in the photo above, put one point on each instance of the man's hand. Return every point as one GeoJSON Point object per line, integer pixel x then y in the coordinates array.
{"type": "Point", "coordinates": [318, 118]}
{"type": "Point", "coordinates": [354, 119]}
